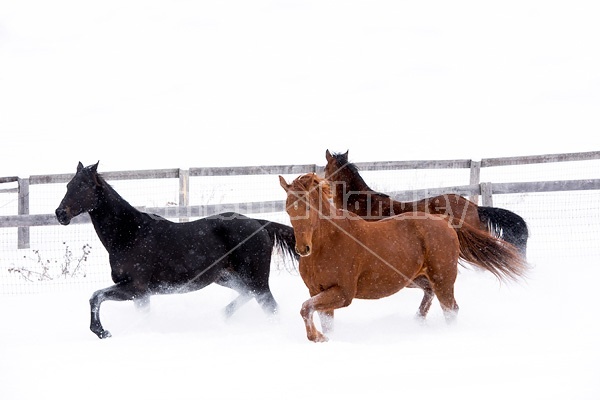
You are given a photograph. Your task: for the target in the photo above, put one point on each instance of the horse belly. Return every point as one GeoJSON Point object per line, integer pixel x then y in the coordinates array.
{"type": "Point", "coordinates": [189, 264]}
{"type": "Point", "coordinates": [399, 258]}
{"type": "Point", "coordinates": [373, 285]}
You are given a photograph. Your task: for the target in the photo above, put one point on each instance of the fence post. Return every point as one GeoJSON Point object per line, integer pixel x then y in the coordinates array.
{"type": "Point", "coordinates": [486, 194]}
{"type": "Point", "coordinates": [474, 179]}
{"type": "Point", "coordinates": [23, 209]}
{"type": "Point", "coordinates": [184, 191]}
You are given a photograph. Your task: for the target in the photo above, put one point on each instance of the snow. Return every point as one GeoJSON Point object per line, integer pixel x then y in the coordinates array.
{"type": "Point", "coordinates": [532, 339]}
{"type": "Point", "coordinates": [466, 79]}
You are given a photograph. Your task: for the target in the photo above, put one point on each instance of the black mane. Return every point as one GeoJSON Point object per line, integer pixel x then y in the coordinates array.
{"type": "Point", "coordinates": [341, 159]}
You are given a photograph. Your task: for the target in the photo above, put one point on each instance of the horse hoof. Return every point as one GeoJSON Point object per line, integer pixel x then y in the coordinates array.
{"type": "Point", "coordinates": [103, 334]}
{"type": "Point", "coordinates": [320, 338]}
{"type": "Point", "coordinates": [420, 318]}
{"type": "Point", "coordinates": [228, 312]}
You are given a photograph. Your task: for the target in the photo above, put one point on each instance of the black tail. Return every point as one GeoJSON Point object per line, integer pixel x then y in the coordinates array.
{"type": "Point", "coordinates": [282, 237]}
{"type": "Point", "coordinates": [506, 225]}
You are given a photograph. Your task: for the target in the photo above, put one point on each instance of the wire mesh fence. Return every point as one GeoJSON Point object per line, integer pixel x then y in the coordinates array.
{"type": "Point", "coordinates": [562, 225]}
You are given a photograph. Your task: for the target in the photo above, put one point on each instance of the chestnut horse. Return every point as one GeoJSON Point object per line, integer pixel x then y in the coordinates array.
{"type": "Point", "coordinates": [343, 257]}
{"type": "Point", "coordinates": [351, 192]}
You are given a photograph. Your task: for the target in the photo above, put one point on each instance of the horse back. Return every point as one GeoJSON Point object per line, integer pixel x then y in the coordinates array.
{"type": "Point", "coordinates": [433, 230]}
{"type": "Point", "coordinates": [453, 205]}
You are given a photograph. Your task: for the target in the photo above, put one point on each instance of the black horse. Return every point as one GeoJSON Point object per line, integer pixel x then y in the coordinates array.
{"type": "Point", "coordinates": [150, 255]}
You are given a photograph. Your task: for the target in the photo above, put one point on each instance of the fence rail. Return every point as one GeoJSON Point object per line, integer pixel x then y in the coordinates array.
{"type": "Point", "coordinates": [24, 220]}
{"type": "Point", "coordinates": [487, 189]}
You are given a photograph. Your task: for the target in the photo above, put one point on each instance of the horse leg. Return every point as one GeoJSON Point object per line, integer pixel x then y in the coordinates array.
{"type": "Point", "coordinates": [239, 301]}
{"type": "Point", "coordinates": [423, 283]}
{"type": "Point", "coordinates": [324, 302]}
{"type": "Point", "coordinates": [450, 310]}
{"type": "Point", "coordinates": [442, 273]}
{"type": "Point", "coordinates": [247, 290]}
{"type": "Point", "coordinates": [267, 302]}
{"type": "Point", "coordinates": [445, 294]}
{"type": "Point", "coordinates": [142, 303]}
{"type": "Point", "coordinates": [426, 302]}
{"type": "Point", "coordinates": [231, 279]}
{"type": "Point", "coordinates": [326, 318]}
{"type": "Point", "coordinates": [118, 292]}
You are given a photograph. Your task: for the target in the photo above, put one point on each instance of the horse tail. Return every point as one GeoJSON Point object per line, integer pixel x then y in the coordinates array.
{"type": "Point", "coordinates": [282, 236]}
{"type": "Point", "coordinates": [493, 254]}
{"type": "Point", "coordinates": [506, 225]}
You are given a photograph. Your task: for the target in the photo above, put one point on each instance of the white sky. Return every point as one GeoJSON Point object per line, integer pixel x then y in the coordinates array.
{"type": "Point", "coordinates": [167, 84]}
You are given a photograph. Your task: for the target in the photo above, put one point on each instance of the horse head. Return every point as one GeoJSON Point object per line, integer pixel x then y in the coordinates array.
{"type": "Point", "coordinates": [81, 194]}
{"type": "Point", "coordinates": [305, 205]}
{"type": "Point", "coordinates": [336, 164]}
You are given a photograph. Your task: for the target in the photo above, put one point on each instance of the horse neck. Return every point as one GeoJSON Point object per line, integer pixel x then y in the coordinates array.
{"type": "Point", "coordinates": [350, 187]}
{"type": "Point", "coordinates": [114, 217]}
{"type": "Point", "coordinates": [354, 182]}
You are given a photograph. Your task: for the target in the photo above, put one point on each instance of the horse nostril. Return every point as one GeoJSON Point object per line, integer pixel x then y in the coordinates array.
{"type": "Point", "coordinates": [61, 216]}
{"type": "Point", "coordinates": [303, 251]}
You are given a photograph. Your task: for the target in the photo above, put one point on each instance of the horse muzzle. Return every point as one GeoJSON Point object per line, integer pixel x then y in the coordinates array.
{"type": "Point", "coordinates": [303, 251]}
{"type": "Point", "coordinates": [63, 216]}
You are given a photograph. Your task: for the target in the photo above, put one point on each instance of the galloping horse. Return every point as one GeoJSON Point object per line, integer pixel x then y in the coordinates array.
{"type": "Point", "coordinates": [351, 192]}
{"type": "Point", "coordinates": [345, 257]}
{"type": "Point", "coordinates": [150, 255]}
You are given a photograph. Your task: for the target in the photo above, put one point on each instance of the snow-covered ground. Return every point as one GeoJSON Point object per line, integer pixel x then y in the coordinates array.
{"type": "Point", "coordinates": [536, 339]}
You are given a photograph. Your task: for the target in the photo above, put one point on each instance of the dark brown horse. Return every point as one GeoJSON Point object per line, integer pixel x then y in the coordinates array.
{"type": "Point", "coordinates": [150, 255]}
{"type": "Point", "coordinates": [351, 192]}
{"type": "Point", "coordinates": [343, 257]}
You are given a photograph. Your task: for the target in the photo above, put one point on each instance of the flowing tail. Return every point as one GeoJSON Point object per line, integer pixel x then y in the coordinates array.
{"type": "Point", "coordinates": [283, 237]}
{"type": "Point", "coordinates": [506, 225]}
{"type": "Point", "coordinates": [495, 255]}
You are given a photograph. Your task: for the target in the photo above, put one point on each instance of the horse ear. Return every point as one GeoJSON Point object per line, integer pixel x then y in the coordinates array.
{"type": "Point", "coordinates": [346, 154]}
{"type": "Point", "coordinates": [79, 166]}
{"type": "Point", "coordinates": [94, 167]}
{"type": "Point", "coordinates": [328, 155]}
{"type": "Point", "coordinates": [283, 183]}
{"type": "Point", "coordinates": [95, 176]}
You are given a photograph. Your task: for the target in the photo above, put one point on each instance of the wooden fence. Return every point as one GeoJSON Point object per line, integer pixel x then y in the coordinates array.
{"type": "Point", "coordinates": [475, 189]}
